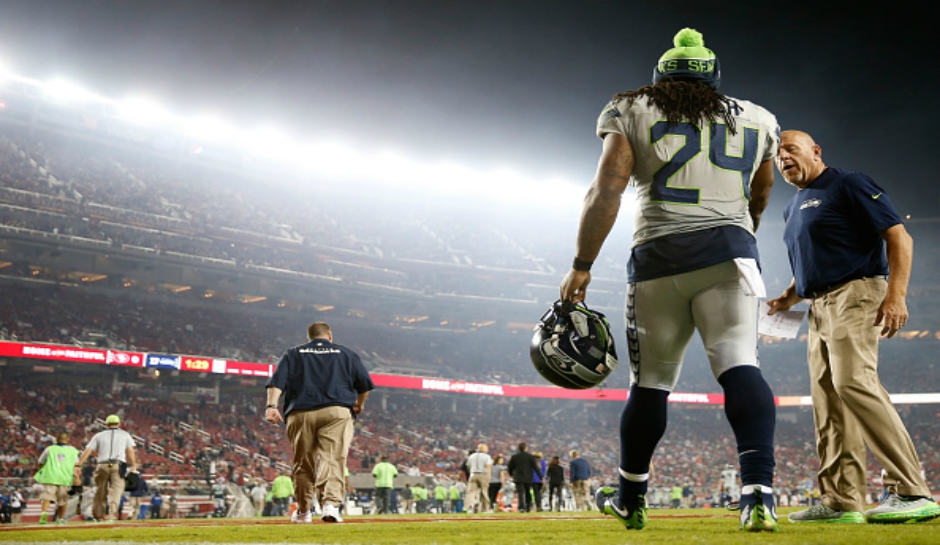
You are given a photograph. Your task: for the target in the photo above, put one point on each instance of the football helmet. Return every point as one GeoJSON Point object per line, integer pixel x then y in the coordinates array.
{"type": "Point", "coordinates": [572, 346]}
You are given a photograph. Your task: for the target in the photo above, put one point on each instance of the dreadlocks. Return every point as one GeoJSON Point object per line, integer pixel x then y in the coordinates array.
{"type": "Point", "coordinates": [684, 101]}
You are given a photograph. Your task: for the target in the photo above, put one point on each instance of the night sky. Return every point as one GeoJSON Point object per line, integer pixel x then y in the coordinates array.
{"type": "Point", "coordinates": [511, 82]}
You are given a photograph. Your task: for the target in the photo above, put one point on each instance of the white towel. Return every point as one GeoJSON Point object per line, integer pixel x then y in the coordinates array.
{"type": "Point", "coordinates": [749, 274]}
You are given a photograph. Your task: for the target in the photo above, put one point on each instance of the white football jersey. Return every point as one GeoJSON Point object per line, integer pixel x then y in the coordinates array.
{"type": "Point", "coordinates": [687, 177]}
{"type": "Point", "coordinates": [729, 477]}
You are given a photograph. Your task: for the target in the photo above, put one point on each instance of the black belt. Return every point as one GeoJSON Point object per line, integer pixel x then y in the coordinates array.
{"type": "Point", "coordinates": [111, 461]}
{"type": "Point", "coordinates": [834, 287]}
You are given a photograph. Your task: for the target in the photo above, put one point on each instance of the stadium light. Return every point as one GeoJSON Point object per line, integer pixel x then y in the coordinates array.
{"type": "Point", "coordinates": [270, 143]}
{"type": "Point", "coordinates": [334, 159]}
{"type": "Point", "coordinates": [396, 169]}
{"type": "Point", "coordinates": [329, 158]}
{"type": "Point", "coordinates": [143, 111]}
{"type": "Point", "coordinates": [5, 74]}
{"type": "Point", "coordinates": [208, 128]}
{"type": "Point", "coordinates": [60, 90]}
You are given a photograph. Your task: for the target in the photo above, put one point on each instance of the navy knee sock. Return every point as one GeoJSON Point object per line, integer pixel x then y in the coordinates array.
{"type": "Point", "coordinates": [642, 425]}
{"type": "Point", "coordinates": [749, 406]}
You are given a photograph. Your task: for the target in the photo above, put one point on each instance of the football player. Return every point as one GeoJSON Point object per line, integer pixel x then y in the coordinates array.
{"type": "Point", "coordinates": [702, 166]}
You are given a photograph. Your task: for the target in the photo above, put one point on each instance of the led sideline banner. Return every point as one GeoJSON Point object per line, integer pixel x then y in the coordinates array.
{"type": "Point", "coordinates": [203, 364]}
{"type": "Point", "coordinates": [511, 390]}
{"type": "Point", "coordinates": [169, 362]}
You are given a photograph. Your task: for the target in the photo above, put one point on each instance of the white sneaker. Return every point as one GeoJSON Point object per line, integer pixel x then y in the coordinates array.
{"type": "Point", "coordinates": [301, 518]}
{"type": "Point", "coordinates": [331, 513]}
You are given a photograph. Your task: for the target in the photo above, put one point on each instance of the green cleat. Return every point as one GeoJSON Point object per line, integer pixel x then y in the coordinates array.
{"type": "Point", "coordinates": [896, 509]}
{"type": "Point", "coordinates": [43, 517]}
{"type": "Point", "coordinates": [603, 494]}
{"type": "Point", "coordinates": [757, 513]}
{"type": "Point", "coordinates": [631, 520]}
{"type": "Point", "coordinates": [822, 514]}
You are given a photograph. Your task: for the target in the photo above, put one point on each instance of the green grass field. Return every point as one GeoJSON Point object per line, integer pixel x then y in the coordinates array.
{"type": "Point", "coordinates": [680, 526]}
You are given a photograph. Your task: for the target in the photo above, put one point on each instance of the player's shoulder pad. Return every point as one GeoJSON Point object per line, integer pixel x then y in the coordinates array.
{"type": "Point", "coordinates": [610, 111]}
{"type": "Point", "coordinates": [751, 110]}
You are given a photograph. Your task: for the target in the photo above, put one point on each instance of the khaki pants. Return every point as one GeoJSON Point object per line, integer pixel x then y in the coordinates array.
{"type": "Point", "coordinates": [259, 506]}
{"type": "Point", "coordinates": [321, 439]}
{"type": "Point", "coordinates": [477, 488]}
{"type": "Point", "coordinates": [135, 507]}
{"type": "Point", "coordinates": [581, 490]}
{"type": "Point", "coordinates": [110, 487]}
{"type": "Point", "coordinates": [850, 407]}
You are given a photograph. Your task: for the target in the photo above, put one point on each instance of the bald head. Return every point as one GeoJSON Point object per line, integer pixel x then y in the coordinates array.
{"type": "Point", "coordinates": [799, 158]}
{"type": "Point", "coordinates": [482, 447]}
{"type": "Point", "coordinates": [795, 133]}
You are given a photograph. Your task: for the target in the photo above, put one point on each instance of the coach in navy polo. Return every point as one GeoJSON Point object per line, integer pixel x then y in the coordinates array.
{"type": "Point", "coordinates": [850, 255]}
{"type": "Point", "coordinates": [325, 386]}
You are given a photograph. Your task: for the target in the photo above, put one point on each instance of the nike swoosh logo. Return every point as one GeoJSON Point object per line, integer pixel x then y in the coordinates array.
{"type": "Point", "coordinates": [876, 196]}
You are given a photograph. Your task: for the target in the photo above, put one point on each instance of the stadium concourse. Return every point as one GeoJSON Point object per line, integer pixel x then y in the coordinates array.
{"type": "Point", "coordinates": [115, 242]}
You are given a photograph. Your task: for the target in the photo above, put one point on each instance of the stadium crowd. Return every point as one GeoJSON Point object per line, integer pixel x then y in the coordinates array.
{"type": "Point", "coordinates": [415, 431]}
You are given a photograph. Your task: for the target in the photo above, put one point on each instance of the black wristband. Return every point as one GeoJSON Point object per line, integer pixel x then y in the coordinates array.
{"type": "Point", "coordinates": [271, 407]}
{"type": "Point", "coordinates": [583, 266]}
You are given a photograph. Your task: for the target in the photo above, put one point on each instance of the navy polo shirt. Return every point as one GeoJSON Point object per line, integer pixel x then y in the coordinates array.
{"type": "Point", "coordinates": [320, 374]}
{"type": "Point", "coordinates": [833, 230]}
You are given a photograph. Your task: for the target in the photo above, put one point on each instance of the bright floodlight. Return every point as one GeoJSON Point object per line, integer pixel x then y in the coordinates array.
{"type": "Point", "coordinates": [208, 128]}
{"type": "Point", "coordinates": [271, 144]}
{"type": "Point", "coordinates": [143, 111]}
{"type": "Point", "coordinates": [330, 159]}
{"type": "Point", "coordinates": [63, 91]}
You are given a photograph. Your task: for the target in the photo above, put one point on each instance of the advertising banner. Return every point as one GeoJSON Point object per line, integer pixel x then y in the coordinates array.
{"type": "Point", "coordinates": [245, 368]}
{"type": "Point", "coordinates": [162, 361]}
{"type": "Point", "coordinates": [132, 359]}
{"type": "Point", "coordinates": [53, 352]}
{"type": "Point", "coordinates": [203, 364]}
{"type": "Point", "coordinates": [508, 390]}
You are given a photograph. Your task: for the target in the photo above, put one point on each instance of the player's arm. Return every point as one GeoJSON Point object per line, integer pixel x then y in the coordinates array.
{"type": "Point", "coordinates": [760, 190]}
{"type": "Point", "coordinates": [599, 213]}
{"type": "Point", "coordinates": [900, 250]}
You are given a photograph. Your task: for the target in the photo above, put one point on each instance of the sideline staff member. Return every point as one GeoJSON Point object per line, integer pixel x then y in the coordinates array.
{"type": "Point", "coordinates": [57, 475]}
{"type": "Point", "coordinates": [324, 385]}
{"type": "Point", "coordinates": [843, 236]}
{"type": "Point", "coordinates": [111, 447]}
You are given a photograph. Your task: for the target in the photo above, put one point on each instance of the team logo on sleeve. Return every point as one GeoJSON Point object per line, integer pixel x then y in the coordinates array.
{"type": "Point", "coordinates": [810, 203]}
{"type": "Point", "coordinates": [610, 112]}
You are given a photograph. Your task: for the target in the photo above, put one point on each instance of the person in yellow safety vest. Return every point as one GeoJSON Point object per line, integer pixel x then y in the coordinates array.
{"type": "Point", "coordinates": [676, 496]}
{"type": "Point", "coordinates": [421, 498]}
{"type": "Point", "coordinates": [456, 502]}
{"type": "Point", "coordinates": [440, 498]}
